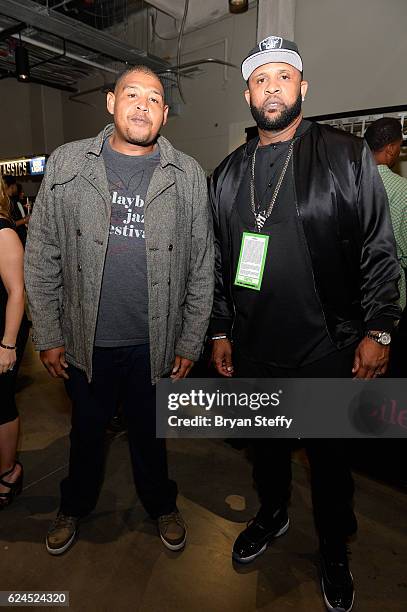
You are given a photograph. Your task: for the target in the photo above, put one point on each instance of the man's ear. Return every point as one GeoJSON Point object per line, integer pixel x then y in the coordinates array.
{"type": "Point", "coordinates": [110, 98]}
{"type": "Point", "coordinates": [392, 152]}
{"type": "Point", "coordinates": [304, 88]}
{"type": "Point", "coordinates": [393, 147]}
{"type": "Point", "coordinates": [165, 116]}
{"type": "Point", "coordinates": [390, 149]}
{"type": "Point", "coordinates": [247, 96]}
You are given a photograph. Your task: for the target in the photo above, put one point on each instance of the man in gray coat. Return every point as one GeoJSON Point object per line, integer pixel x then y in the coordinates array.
{"type": "Point", "coordinates": [119, 275]}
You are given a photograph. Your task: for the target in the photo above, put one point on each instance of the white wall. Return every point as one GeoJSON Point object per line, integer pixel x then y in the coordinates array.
{"type": "Point", "coordinates": [31, 119]}
{"type": "Point", "coordinates": [215, 115]}
{"type": "Point", "coordinates": [354, 52]}
{"type": "Point", "coordinates": [16, 137]}
{"type": "Point", "coordinates": [87, 116]}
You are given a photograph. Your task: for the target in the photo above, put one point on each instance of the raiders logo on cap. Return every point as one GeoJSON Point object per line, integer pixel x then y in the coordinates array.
{"type": "Point", "coordinates": [271, 49]}
{"type": "Point", "coordinates": [271, 42]}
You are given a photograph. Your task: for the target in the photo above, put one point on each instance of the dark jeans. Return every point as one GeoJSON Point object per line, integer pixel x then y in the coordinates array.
{"type": "Point", "coordinates": [119, 375]}
{"type": "Point", "coordinates": [331, 479]}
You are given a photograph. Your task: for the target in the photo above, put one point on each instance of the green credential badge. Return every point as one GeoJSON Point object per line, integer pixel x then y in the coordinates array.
{"type": "Point", "coordinates": [253, 252]}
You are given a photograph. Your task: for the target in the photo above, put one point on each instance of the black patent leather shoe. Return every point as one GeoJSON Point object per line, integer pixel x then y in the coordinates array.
{"type": "Point", "coordinates": [336, 580]}
{"type": "Point", "coordinates": [254, 540]}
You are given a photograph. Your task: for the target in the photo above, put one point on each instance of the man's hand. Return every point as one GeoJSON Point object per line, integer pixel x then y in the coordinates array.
{"type": "Point", "coordinates": [181, 367]}
{"type": "Point", "coordinates": [222, 357]}
{"type": "Point", "coordinates": [371, 359]}
{"type": "Point", "coordinates": [54, 360]}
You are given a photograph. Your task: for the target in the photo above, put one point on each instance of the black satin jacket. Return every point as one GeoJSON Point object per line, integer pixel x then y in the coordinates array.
{"type": "Point", "coordinates": [343, 208]}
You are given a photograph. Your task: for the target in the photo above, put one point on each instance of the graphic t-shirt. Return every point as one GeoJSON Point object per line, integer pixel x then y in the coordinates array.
{"type": "Point", "coordinates": [123, 307]}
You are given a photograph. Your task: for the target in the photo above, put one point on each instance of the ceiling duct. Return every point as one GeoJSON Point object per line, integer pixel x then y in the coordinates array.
{"type": "Point", "coordinates": [63, 50]}
{"type": "Point", "coordinates": [53, 22]}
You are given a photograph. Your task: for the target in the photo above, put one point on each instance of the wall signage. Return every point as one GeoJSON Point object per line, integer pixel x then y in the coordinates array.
{"type": "Point", "coordinates": [24, 166]}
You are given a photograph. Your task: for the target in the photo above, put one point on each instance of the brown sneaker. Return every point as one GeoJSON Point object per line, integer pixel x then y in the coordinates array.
{"type": "Point", "coordinates": [61, 533]}
{"type": "Point", "coordinates": [172, 530]}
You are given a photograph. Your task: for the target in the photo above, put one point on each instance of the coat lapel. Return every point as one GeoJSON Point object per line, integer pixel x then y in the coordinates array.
{"type": "Point", "coordinates": [94, 172]}
{"type": "Point", "coordinates": [162, 179]}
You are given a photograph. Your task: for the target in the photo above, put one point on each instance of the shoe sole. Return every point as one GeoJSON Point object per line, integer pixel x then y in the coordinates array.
{"type": "Point", "coordinates": [328, 605]}
{"type": "Point", "coordinates": [59, 551]}
{"type": "Point", "coordinates": [174, 547]}
{"type": "Point", "coordinates": [279, 533]}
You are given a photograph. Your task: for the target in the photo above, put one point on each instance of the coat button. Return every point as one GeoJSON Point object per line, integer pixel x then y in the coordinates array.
{"type": "Point", "coordinates": [78, 232]}
{"type": "Point", "coordinates": [79, 268]}
{"type": "Point", "coordinates": [170, 247]}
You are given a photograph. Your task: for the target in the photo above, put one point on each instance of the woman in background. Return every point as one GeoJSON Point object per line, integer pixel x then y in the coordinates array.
{"type": "Point", "coordinates": [11, 316]}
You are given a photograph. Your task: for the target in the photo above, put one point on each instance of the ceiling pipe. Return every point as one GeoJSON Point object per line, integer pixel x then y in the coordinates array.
{"type": "Point", "coordinates": [73, 56]}
{"type": "Point", "coordinates": [207, 60]}
{"type": "Point", "coordinates": [7, 32]}
{"type": "Point", "coordinates": [57, 24]}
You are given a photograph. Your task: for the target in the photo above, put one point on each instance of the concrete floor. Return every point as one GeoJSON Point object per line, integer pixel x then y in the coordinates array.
{"type": "Point", "coordinates": [119, 563]}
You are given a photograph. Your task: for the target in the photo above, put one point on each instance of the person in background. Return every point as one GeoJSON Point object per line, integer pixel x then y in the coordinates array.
{"type": "Point", "coordinates": [385, 138]}
{"type": "Point", "coordinates": [315, 297]}
{"type": "Point", "coordinates": [11, 343]}
{"type": "Point", "coordinates": [18, 214]}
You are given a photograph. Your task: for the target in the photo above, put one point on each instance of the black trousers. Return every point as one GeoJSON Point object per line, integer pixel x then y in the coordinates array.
{"type": "Point", "coordinates": [331, 479]}
{"type": "Point", "coordinates": [119, 375]}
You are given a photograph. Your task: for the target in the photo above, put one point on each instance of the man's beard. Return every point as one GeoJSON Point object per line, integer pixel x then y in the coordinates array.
{"type": "Point", "coordinates": [139, 140]}
{"type": "Point", "coordinates": [283, 120]}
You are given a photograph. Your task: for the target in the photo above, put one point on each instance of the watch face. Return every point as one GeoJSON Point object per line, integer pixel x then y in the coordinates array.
{"type": "Point", "coordinates": [385, 338]}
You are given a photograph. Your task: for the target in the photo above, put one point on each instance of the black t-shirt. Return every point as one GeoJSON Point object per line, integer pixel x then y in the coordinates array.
{"type": "Point", "coordinates": [282, 324]}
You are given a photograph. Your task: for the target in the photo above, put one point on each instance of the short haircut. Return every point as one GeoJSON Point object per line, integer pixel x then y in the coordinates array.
{"type": "Point", "coordinates": [382, 132]}
{"type": "Point", "coordinates": [9, 180]}
{"type": "Point", "coordinates": [136, 68]}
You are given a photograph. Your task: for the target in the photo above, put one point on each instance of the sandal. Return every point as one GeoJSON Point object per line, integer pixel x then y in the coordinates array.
{"type": "Point", "coordinates": [15, 487]}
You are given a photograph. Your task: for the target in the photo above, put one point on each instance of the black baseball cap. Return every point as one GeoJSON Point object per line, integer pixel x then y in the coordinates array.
{"type": "Point", "coordinates": [271, 49]}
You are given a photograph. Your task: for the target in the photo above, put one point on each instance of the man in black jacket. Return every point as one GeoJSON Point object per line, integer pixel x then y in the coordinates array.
{"type": "Point", "coordinates": [306, 286]}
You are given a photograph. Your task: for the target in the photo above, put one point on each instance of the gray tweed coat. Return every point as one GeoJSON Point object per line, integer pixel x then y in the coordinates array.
{"type": "Point", "coordinates": [66, 248]}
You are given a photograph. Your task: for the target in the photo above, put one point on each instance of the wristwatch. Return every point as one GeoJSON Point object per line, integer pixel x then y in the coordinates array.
{"type": "Point", "coordinates": [383, 338]}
